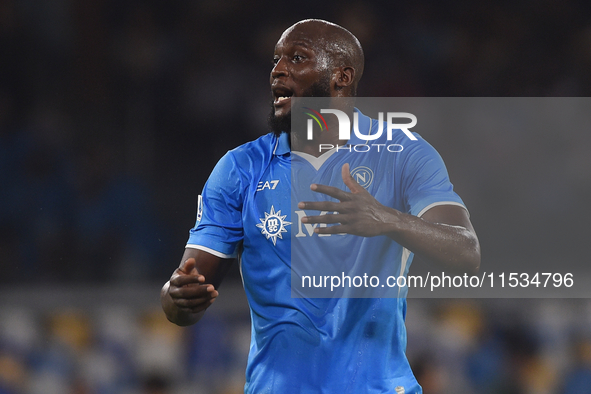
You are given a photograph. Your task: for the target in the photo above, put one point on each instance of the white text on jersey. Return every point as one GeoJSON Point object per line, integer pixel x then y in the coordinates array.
{"type": "Point", "coordinates": [271, 185]}
{"type": "Point", "coordinates": [310, 227]}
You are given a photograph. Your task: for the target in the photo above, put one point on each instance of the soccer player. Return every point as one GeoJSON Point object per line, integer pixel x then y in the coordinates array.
{"type": "Point", "coordinates": [313, 345]}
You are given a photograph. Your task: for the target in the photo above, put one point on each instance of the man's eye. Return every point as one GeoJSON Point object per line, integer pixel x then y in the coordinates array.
{"type": "Point", "coordinates": [297, 58]}
{"type": "Point", "coordinates": [275, 60]}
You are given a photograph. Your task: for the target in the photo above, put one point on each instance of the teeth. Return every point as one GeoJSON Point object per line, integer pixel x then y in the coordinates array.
{"type": "Point", "coordinates": [282, 98]}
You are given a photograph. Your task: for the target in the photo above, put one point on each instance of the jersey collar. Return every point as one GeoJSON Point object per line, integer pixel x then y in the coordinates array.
{"type": "Point", "coordinates": [365, 128]}
{"type": "Point", "coordinates": [282, 145]}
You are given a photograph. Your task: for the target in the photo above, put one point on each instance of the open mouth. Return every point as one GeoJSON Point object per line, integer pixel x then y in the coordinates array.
{"type": "Point", "coordinates": [282, 96]}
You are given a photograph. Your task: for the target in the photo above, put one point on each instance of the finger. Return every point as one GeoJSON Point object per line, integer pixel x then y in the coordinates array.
{"type": "Point", "coordinates": [194, 302]}
{"type": "Point", "coordinates": [336, 229]}
{"type": "Point", "coordinates": [197, 309]}
{"type": "Point", "coordinates": [327, 219]}
{"type": "Point", "coordinates": [191, 302]}
{"type": "Point", "coordinates": [319, 205]}
{"type": "Point", "coordinates": [193, 305]}
{"type": "Point", "coordinates": [190, 267]}
{"type": "Point", "coordinates": [332, 191]}
{"type": "Point", "coordinates": [194, 298]}
{"type": "Point", "coordinates": [350, 182]}
{"type": "Point", "coordinates": [194, 291]}
{"type": "Point", "coordinates": [179, 280]}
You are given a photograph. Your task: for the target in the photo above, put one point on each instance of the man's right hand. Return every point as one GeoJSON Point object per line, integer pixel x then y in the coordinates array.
{"type": "Point", "coordinates": [188, 289]}
{"type": "Point", "coordinates": [192, 287]}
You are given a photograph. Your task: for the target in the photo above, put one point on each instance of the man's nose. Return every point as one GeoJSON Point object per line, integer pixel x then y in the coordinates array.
{"type": "Point", "coordinates": [280, 69]}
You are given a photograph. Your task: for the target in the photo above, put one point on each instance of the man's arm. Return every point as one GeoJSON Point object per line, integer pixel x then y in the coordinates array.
{"type": "Point", "coordinates": [192, 288]}
{"type": "Point", "coordinates": [444, 234]}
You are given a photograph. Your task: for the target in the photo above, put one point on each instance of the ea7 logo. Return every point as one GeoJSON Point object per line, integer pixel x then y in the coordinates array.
{"type": "Point", "coordinates": [345, 124]}
{"type": "Point", "coordinates": [309, 227]}
{"type": "Point", "coordinates": [271, 185]}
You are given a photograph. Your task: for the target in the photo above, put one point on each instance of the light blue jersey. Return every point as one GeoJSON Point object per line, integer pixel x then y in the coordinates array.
{"type": "Point", "coordinates": [318, 345]}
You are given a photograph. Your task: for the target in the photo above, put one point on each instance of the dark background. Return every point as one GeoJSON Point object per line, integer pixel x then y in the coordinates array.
{"type": "Point", "coordinates": [113, 113]}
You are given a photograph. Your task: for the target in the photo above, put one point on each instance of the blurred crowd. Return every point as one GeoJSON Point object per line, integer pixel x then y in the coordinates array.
{"type": "Point", "coordinates": [499, 346]}
{"type": "Point", "coordinates": [113, 113]}
{"type": "Point", "coordinates": [122, 348]}
{"type": "Point", "coordinates": [454, 346]}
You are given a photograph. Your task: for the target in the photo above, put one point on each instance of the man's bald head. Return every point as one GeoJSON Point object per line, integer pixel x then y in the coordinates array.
{"type": "Point", "coordinates": [338, 45]}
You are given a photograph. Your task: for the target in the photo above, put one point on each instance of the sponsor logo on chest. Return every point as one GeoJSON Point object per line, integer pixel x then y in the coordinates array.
{"type": "Point", "coordinates": [273, 225]}
{"type": "Point", "coordinates": [270, 185]}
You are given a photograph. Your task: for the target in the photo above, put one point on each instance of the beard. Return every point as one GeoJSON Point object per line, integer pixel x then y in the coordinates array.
{"type": "Point", "coordinates": [279, 124]}
{"type": "Point", "coordinates": [320, 88]}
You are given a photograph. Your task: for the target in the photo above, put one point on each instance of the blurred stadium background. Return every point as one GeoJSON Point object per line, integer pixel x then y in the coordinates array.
{"type": "Point", "coordinates": [113, 113]}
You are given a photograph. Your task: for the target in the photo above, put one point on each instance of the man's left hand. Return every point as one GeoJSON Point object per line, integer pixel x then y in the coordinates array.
{"type": "Point", "coordinates": [357, 211]}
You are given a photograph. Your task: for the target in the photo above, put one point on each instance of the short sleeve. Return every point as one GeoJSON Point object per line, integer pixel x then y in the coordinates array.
{"type": "Point", "coordinates": [426, 181]}
{"type": "Point", "coordinates": [218, 228]}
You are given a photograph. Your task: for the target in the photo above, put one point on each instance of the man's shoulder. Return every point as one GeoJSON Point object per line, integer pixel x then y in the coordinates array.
{"type": "Point", "coordinates": [262, 146]}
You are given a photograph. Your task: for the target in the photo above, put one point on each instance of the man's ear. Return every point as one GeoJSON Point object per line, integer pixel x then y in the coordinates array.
{"type": "Point", "coordinates": [343, 77]}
